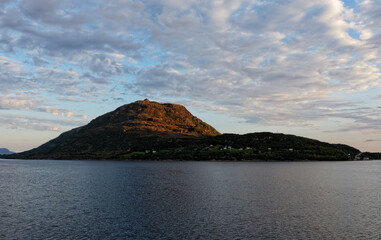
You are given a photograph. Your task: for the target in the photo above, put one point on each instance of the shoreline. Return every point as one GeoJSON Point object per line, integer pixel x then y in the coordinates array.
{"type": "Point", "coordinates": [181, 160]}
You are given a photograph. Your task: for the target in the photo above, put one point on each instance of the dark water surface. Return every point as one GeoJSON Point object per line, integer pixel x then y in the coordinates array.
{"type": "Point", "coordinates": [43, 199]}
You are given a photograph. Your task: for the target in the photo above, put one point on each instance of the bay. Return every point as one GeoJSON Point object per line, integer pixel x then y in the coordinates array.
{"type": "Point", "coordinates": [46, 199]}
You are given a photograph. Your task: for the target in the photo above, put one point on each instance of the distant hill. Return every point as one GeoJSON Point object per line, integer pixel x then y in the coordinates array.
{"type": "Point", "coordinates": [151, 130]}
{"type": "Point", "coordinates": [370, 156]}
{"type": "Point", "coordinates": [5, 151]}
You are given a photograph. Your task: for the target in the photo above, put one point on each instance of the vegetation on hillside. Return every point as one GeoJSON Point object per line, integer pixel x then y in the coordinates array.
{"type": "Point", "coordinates": [253, 146]}
{"type": "Point", "coordinates": [370, 156]}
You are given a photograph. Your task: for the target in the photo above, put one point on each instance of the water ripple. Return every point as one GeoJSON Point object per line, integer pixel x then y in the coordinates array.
{"type": "Point", "coordinates": [189, 200]}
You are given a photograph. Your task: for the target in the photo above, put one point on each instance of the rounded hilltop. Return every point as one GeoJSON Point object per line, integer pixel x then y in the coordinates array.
{"type": "Point", "coordinates": [155, 118]}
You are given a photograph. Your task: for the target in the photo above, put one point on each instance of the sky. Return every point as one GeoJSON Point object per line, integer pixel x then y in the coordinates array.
{"type": "Point", "coordinates": [308, 68]}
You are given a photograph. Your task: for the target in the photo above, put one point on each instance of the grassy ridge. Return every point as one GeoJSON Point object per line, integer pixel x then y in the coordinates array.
{"type": "Point", "coordinates": [253, 146]}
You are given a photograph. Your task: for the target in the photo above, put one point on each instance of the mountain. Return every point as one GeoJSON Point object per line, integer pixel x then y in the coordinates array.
{"type": "Point", "coordinates": [141, 124]}
{"type": "Point", "coordinates": [5, 151]}
{"type": "Point", "coordinates": [151, 130]}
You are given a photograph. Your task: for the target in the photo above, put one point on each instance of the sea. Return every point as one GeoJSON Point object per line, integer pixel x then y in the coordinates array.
{"type": "Point", "coordinates": [70, 199]}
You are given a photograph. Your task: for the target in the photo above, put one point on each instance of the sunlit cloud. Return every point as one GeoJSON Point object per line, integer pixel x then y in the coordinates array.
{"type": "Point", "coordinates": [13, 102]}
{"type": "Point", "coordinates": [31, 104]}
{"type": "Point", "coordinates": [61, 112]}
{"type": "Point", "coordinates": [36, 123]}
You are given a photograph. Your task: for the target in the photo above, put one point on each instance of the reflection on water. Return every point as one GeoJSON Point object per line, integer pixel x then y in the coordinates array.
{"type": "Point", "coordinates": [43, 199]}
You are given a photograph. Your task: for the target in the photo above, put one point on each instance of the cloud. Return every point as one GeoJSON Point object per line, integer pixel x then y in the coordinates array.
{"type": "Point", "coordinates": [104, 66]}
{"type": "Point", "coordinates": [282, 68]}
{"type": "Point", "coordinates": [30, 103]}
{"type": "Point", "coordinates": [50, 12]}
{"type": "Point", "coordinates": [61, 112]}
{"type": "Point", "coordinates": [17, 102]}
{"type": "Point", "coordinates": [288, 63]}
{"type": "Point", "coordinates": [73, 99]}
{"type": "Point", "coordinates": [11, 75]}
{"type": "Point", "coordinates": [36, 123]}
{"type": "Point", "coordinates": [61, 28]}
{"type": "Point", "coordinates": [39, 62]}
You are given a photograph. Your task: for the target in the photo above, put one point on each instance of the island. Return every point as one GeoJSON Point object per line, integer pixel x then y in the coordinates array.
{"type": "Point", "coordinates": [147, 130]}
